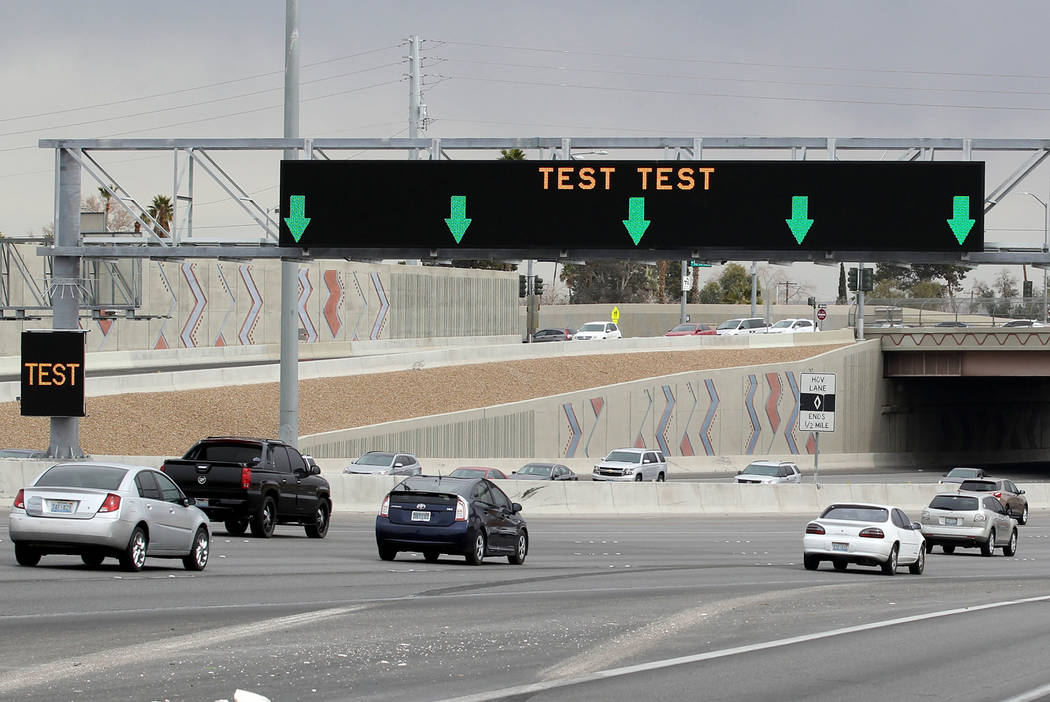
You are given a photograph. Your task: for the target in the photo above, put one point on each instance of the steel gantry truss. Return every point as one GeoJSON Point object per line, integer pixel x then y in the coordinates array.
{"type": "Point", "coordinates": [200, 155]}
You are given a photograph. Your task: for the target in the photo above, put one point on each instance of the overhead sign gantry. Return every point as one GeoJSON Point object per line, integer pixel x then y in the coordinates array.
{"type": "Point", "coordinates": [633, 208]}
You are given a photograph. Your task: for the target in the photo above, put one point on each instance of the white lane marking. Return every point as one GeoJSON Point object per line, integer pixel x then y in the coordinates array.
{"type": "Point", "coordinates": [1031, 695]}
{"type": "Point", "coordinates": [534, 688]}
{"type": "Point", "coordinates": [145, 651]}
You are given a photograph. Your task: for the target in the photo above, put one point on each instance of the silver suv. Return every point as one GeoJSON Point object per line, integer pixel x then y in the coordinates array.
{"type": "Point", "coordinates": [969, 520]}
{"type": "Point", "coordinates": [745, 325]}
{"type": "Point", "coordinates": [631, 464]}
{"type": "Point", "coordinates": [769, 472]}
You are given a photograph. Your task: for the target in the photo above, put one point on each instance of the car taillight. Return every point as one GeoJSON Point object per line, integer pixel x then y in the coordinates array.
{"type": "Point", "coordinates": [461, 509]}
{"type": "Point", "coordinates": [111, 503]}
{"type": "Point", "coordinates": [384, 511]}
{"type": "Point", "coordinates": [998, 495]}
{"type": "Point", "coordinates": [814, 528]}
{"type": "Point", "coordinates": [872, 533]}
{"type": "Point", "coordinates": [20, 500]}
{"type": "Point", "coordinates": [246, 477]}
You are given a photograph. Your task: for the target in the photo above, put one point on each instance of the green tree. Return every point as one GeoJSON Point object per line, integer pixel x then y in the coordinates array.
{"type": "Point", "coordinates": [952, 275]}
{"type": "Point", "coordinates": [735, 283]}
{"type": "Point", "coordinates": [609, 281]}
{"type": "Point", "coordinates": [161, 210]}
{"type": "Point", "coordinates": [843, 294]}
{"type": "Point", "coordinates": [926, 289]}
{"type": "Point", "coordinates": [511, 155]}
{"type": "Point", "coordinates": [710, 294]}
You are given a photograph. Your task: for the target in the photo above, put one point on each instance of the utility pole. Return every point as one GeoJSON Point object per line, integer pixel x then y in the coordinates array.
{"type": "Point", "coordinates": [685, 290]}
{"type": "Point", "coordinates": [415, 91]}
{"type": "Point", "coordinates": [860, 301]}
{"type": "Point", "coordinates": [754, 286]}
{"type": "Point", "coordinates": [289, 386]}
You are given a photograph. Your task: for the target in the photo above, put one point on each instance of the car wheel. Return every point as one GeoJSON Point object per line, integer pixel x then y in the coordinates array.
{"type": "Point", "coordinates": [840, 565]}
{"type": "Point", "coordinates": [235, 527]}
{"type": "Point", "coordinates": [919, 565]}
{"type": "Point", "coordinates": [134, 556]}
{"type": "Point", "coordinates": [386, 553]}
{"type": "Point", "coordinates": [198, 556]}
{"type": "Point", "coordinates": [1011, 548]}
{"type": "Point", "coordinates": [810, 562]}
{"type": "Point", "coordinates": [26, 555]}
{"type": "Point", "coordinates": [660, 477]}
{"type": "Point", "coordinates": [319, 528]}
{"type": "Point", "coordinates": [988, 547]}
{"type": "Point", "coordinates": [477, 551]}
{"type": "Point", "coordinates": [265, 519]}
{"type": "Point", "coordinates": [431, 556]}
{"type": "Point", "coordinates": [92, 559]}
{"type": "Point", "coordinates": [638, 478]}
{"type": "Point", "coordinates": [948, 549]}
{"type": "Point", "coordinates": [1024, 516]}
{"type": "Point", "coordinates": [520, 551]}
{"type": "Point", "coordinates": [890, 566]}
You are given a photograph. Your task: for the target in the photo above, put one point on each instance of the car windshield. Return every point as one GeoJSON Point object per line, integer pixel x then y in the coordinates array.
{"type": "Point", "coordinates": [536, 469]}
{"type": "Point", "coordinates": [955, 503]}
{"type": "Point", "coordinates": [761, 469]}
{"type": "Point", "coordinates": [685, 328]}
{"type": "Point", "coordinates": [963, 473]}
{"type": "Point", "coordinates": [783, 324]}
{"type": "Point", "coordinates": [856, 513]}
{"type": "Point", "coordinates": [623, 456]}
{"type": "Point", "coordinates": [730, 324]}
{"type": "Point", "coordinates": [375, 459]}
{"type": "Point", "coordinates": [468, 473]}
{"type": "Point", "coordinates": [96, 477]}
{"type": "Point", "coordinates": [593, 327]}
{"type": "Point", "coordinates": [978, 485]}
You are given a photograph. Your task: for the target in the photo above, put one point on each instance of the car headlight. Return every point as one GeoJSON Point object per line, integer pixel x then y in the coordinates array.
{"type": "Point", "coordinates": [595, 469]}
{"type": "Point", "coordinates": [628, 471]}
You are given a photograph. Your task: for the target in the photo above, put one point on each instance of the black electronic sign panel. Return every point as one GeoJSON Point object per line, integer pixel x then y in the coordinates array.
{"type": "Point", "coordinates": [634, 205]}
{"type": "Point", "coordinates": [53, 373]}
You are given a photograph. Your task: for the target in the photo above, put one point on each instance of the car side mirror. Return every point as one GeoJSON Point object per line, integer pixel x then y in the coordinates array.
{"type": "Point", "coordinates": [1020, 492]}
{"type": "Point", "coordinates": [515, 507]}
{"type": "Point", "coordinates": [916, 526]}
{"type": "Point", "coordinates": [188, 501]}
{"type": "Point", "coordinates": [314, 470]}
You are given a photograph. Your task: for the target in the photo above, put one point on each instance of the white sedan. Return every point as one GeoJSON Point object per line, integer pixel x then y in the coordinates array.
{"type": "Point", "coordinates": [864, 534]}
{"type": "Point", "coordinates": [791, 326]}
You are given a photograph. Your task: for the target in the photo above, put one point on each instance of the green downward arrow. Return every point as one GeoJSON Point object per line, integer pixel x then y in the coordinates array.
{"type": "Point", "coordinates": [636, 222]}
{"type": "Point", "coordinates": [960, 222]}
{"type": "Point", "coordinates": [799, 222]}
{"type": "Point", "coordinates": [457, 219]}
{"type": "Point", "coordinates": [298, 220]}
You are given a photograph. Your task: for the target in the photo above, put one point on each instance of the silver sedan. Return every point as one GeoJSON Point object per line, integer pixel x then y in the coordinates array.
{"type": "Point", "coordinates": [100, 510]}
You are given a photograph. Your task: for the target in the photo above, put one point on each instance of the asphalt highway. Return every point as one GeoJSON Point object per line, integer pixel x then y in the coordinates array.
{"type": "Point", "coordinates": [292, 618]}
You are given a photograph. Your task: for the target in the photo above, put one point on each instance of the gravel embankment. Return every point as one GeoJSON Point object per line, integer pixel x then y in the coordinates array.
{"type": "Point", "coordinates": [163, 424]}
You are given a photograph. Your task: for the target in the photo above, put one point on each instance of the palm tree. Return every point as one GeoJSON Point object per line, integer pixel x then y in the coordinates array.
{"type": "Point", "coordinates": [511, 155]}
{"type": "Point", "coordinates": [162, 211]}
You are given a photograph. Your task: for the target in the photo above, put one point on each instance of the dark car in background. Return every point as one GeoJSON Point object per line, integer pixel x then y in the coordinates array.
{"type": "Point", "coordinates": [543, 471]}
{"type": "Point", "coordinates": [478, 472]}
{"type": "Point", "coordinates": [553, 335]}
{"type": "Point", "coordinates": [436, 515]}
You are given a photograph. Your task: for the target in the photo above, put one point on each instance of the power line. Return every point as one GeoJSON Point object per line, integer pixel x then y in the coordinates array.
{"type": "Point", "coordinates": [198, 87]}
{"type": "Point", "coordinates": [843, 101]}
{"type": "Point", "coordinates": [749, 80]}
{"type": "Point", "coordinates": [745, 63]}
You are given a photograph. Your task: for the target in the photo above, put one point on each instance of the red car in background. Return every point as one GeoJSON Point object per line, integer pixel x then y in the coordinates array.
{"type": "Point", "coordinates": [478, 472]}
{"type": "Point", "coordinates": [692, 329]}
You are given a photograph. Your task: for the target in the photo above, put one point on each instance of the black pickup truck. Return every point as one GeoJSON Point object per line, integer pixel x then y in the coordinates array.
{"type": "Point", "coordinates": [253, 482]}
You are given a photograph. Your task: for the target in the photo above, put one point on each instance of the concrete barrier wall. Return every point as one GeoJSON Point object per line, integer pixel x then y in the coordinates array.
{"type": "Point", "coordinates": [748, 411]}
{"type": "Point", "coordinates": [364, 494]}
{"type": "Point", "coordinates": [207, 303]}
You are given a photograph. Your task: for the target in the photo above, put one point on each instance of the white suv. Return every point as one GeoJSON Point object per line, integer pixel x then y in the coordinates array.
{"type": "Point", "coordinates": [770, 472]}
{"type": "Point", "coordinates": [597, 330]}
{"type": "Point", "coordinates": [632, 464]}
{"type": "Point", "coordinates": [743, 325]}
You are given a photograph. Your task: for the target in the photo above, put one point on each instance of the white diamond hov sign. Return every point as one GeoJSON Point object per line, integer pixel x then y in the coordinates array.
{"type": "Point", "coordinates": [816, 402]}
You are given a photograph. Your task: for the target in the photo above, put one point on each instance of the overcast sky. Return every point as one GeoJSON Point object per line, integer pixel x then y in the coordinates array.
{"type": "Point", "coordinates": [833, 68]}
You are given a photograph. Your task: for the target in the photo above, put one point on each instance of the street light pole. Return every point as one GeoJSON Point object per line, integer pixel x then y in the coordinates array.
{"type": "Point", "coordinates": [1046, 232]}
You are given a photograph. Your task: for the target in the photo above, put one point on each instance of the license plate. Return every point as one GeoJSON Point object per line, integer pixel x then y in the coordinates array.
{"type": "Point", "coordinates": [951, 521]}
{"type": "Point", "coordinates": [420, 516]}
{"type": "Point", "coordinates": [61, 507]}
{"type": "Point", "coordinates": [838, 546]}
{"type": "Point", "coordinates": [200, 501]}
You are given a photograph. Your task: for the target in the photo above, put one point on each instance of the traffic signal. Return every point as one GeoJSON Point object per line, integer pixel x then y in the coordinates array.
{"type": "Point", "coordinates": [537, 286]}
{"type": "Point", "coordinates": [851, 279]}
{"type": "Point", "coordinates": [522, 286]}
{"type": "Point", "coordinates": [811, 301]}
{"type": "Point", "coordinates": [1027, 287]}
{"type": "Point", "coordinates": [868, 280]}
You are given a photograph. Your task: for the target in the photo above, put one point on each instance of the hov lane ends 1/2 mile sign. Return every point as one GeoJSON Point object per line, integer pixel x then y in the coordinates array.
{"type": "Point", "coordinates": [816, 402]}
